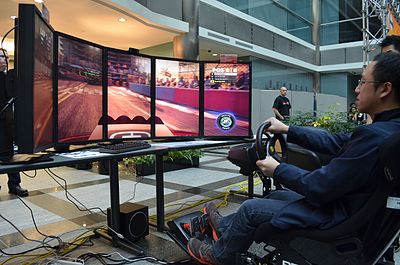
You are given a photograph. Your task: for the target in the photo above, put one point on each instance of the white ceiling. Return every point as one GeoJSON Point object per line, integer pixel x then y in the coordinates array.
{"type": "Point", "coordinates": [209, 47]}
{"type": "Point", "coordinates": [96, 21]}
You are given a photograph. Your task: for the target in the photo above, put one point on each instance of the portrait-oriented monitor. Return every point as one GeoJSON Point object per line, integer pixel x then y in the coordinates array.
{"type": "Point", "coordinates": [80, 90]}
{"type": "Point", "coordinates": [177, 99]}
{"type": "Point", "coordinates": [34, 67]}
{"type": "Point", "coordinates": [128, 96]}
{"type": "Point", "coordinates": [227, 100]}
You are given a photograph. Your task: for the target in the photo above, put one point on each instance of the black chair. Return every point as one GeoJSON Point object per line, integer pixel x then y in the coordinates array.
{"type": "Point", "coordinates": [302, 157]}
{"type": "Point", "coordinates": [362, 239]}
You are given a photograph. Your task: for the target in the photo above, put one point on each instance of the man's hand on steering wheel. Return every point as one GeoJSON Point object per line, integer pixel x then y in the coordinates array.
{"type": "Point", "coordinates": [277, 126]}
{"type": "Point", "coordinates": [267, 165]}
{"type": "Point", "coordinates": [268, 157]}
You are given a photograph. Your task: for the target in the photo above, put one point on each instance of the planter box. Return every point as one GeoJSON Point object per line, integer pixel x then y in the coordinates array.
{"type": "Point", "coordinates": [144, 170]}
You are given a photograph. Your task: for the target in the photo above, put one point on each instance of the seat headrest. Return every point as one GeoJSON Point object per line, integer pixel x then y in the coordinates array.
{"type": "Point", "coordinates": [389, 151]}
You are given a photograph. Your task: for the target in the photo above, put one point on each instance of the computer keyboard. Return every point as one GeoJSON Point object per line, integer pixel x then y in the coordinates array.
{"type": "Point", "coordinates": [124, 147]}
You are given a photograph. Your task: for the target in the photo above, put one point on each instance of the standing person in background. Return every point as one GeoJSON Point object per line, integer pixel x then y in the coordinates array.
{"type": "Point", "coordinates": [390, 44]}
{"type": "Point", "coordinates": [352, 113]}
{"type": "Point", "coordinates": [14, 179]}
{"type": "Point", "coordinates": [282, 106]}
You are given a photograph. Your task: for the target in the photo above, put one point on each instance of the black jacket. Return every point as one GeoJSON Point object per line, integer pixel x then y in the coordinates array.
{"type": "Point", "coordinates": [336, 191]}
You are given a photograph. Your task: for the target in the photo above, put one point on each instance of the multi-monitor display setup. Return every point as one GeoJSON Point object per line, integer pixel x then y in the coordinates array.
{"type": "Point", "coordinates": [71, 91]}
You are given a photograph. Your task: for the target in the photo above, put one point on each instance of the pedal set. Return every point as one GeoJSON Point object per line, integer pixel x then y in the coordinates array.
{"type": "Point", "coordinates": [198, 226]}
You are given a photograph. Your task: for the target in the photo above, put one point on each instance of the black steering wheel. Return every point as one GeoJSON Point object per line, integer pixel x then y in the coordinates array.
{"type": "Point", "coordinates": [265, 144]}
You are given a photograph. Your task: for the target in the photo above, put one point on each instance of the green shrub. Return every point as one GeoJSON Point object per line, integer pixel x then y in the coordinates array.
{"type": "Point", "coordinates": [171, 156]}
{"type": "Point", "coordinates": [332, 121]}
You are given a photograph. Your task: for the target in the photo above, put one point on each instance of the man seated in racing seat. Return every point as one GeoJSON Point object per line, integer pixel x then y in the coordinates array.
{"type": "Point", "coordinates": [326, 196]}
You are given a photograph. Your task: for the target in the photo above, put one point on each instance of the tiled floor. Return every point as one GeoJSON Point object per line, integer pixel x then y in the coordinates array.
{"type": "Point", "coordinates": [55, 215]}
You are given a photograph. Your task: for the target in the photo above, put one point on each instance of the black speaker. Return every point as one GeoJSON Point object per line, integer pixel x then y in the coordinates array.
{"type": "Point", "coordinates": [134, 220]}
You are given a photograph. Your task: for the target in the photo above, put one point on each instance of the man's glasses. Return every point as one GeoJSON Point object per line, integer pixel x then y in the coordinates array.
{"type": "Point", "coordinates": [362, 82]}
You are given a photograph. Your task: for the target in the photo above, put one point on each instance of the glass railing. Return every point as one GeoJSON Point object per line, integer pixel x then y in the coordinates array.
{"type": "Point", "coordinates": [294, 17]}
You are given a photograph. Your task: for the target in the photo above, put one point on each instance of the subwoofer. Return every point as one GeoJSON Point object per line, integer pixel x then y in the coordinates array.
{"type": "Point", "coordinates": [134, 220]}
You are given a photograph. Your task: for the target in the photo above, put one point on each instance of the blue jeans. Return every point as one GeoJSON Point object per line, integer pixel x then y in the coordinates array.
{"type": "Point", "coordinates": [238, 228]}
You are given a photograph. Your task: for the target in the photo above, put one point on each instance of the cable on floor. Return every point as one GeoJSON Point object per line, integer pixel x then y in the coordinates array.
{"type": "Point", "coordinates": [52, 175]}
{"type": "Point", "coordinates": [34, 222]}
{"type": "Point", "coordinates": [134, 188]}
{"type": "Point", "coordinates": [65, 188]}
{"type": "Point", "coordinates": [104, 257]}
{"type": "Point", "coordinates": [242, 187]}
{"type": "Point", "coordinates": [29, 176]}
{"type": "Point", "coordinates": [21, 233]}
{"type": "Point", "coordinates": [62, 250]}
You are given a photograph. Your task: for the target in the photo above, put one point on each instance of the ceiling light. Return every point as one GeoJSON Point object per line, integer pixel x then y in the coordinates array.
{"type": "Point", "coordinates": [39, 1]}
{"type": "Point", "coordinates": [121, 19]}
{"type": "Point", "coordinates": [13, 17]}
{"type": "Point", "coordinates": [215, 54]}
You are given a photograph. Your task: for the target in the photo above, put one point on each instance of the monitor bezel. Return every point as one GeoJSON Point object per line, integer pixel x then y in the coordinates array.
{"type": "Point", "coordinates": [63, 145]}
{"type": "Point", "coordinates": [105, 114]}
{"type": "Point", "coordinates": [176, 138]}
{"type": "Point", "coordinates": [227, 137]}
{"type": "Point", "coordinates": [25, 70]}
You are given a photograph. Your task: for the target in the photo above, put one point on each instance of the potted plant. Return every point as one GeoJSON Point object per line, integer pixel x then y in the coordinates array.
{"type": "Point", "coordinates": [144, 165]}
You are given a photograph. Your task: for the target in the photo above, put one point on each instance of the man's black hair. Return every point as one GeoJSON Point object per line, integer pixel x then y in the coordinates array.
{"type": "Point", "coordinates": [391, 40]}
{"type": "Point", "coordinates": [387, 69]}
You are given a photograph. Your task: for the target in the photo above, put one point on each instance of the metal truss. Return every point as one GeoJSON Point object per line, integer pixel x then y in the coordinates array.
{"type": "Point", "coordinates": [380, 9]}
{"type": "Point", "coordinates": [370, 9]}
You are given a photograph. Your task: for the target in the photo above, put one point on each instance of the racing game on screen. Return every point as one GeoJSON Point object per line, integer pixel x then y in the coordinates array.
{"type": "Point", "coordinates": [79, 89]}
{"type": "Point", "coordinates": [43, 85]}
{"type": "Point", "coordinates": [129, 100]}
{"type": "Point", "coordinates": [177, 98]}
{"type": "Point", "coordinates": [226, 100]}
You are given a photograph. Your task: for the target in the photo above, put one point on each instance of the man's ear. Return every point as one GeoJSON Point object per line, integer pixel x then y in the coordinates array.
{"type": "Point", "coordinates": [385, 89]}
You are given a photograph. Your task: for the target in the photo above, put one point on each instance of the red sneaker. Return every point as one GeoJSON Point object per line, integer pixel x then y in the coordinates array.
{"type": "Point", "coordinates": [213, 219]}
{"type": "Point", "coordinates": [201, 251]}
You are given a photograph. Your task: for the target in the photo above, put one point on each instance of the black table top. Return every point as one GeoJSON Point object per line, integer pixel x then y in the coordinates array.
{"type": "Point", "coordinates": [185, 145]}
{"type": "Point", "coordinates": [84, 156]}
{"type": "Point", "coordinates": [91, 155]}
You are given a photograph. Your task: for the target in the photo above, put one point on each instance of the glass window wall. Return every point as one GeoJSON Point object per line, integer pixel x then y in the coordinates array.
{"type": "Point", "coordinates": [272, 76]}
{"type": "Point", "coordinates": [334, 84]}
{"type": "Point", "coordinates": [294, 17]}
{"type": "Point", "coordinates": [341, 21]}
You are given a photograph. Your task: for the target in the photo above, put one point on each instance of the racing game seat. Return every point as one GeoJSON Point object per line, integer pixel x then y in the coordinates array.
{"type": "Point", "coordinates": [362, 239]}
{"type": "Point", "coordinates": [303, 158]}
